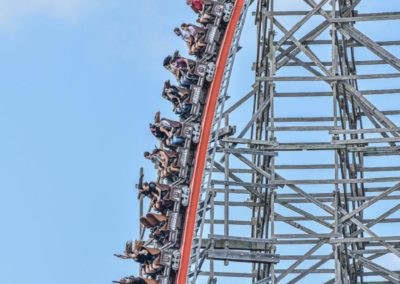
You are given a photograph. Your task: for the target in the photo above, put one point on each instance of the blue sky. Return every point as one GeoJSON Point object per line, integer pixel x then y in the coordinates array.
{"type": "Point", "coordinates": [79, 82]}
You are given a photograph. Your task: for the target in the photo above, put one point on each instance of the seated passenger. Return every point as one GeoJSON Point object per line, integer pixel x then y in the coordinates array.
{"type": "Point", "coordinates": [148, 257]}
{"type": "Point", "coordinates": [131, 253]}
{"type": "Point", "coordinates": [158, 225]}
{"type": "Point", "coordinates": [167, 131]}
{"type": "Point", "coordinates": [159, 195]}
{"type": "Point", "coordinates": [202, 8]}
{"type": "Point", "coordinates": [136, 280]}
{"type": "Point", "coordinates": [198, 36]}
{"type": "Point", "coordinates": [153, 268]}
{"type": "Point", "coordinates": [179, 97]}
{"type": "Point", "coordinates": [196, 32]}
{"type": "Point", "coordinates": [166, 162]}
{"type": "Point", "coordinates": [153, 220]}
{"type": "Point", "coordinates": [170, 140]}
{"type": "Point", "coordinates": [194, 36]}
{"type": "Point", "coordinates": [139, 252]}
{"type": "Point", "coordinates": [184, 35]}
{"type": "Point", "coordinates": [182, 68]}
{"type": "Point", "coordinates": [196, 5]}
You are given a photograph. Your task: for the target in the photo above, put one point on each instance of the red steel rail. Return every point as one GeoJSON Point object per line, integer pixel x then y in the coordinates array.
{"type": "Point", "coordinates": [198, 171]}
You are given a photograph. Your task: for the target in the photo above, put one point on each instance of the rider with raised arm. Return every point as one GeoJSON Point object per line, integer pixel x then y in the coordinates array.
{"type": "Point", "coordinates": [182, 68]}
{"type": "Point", "coordinates": [149, 258]}
{"type": "Point", "coordinates": [179, 97]}
{"type": "Point", "coordinates": [166, 162]}
{"type": "Point", "coordinates": [167, 131]}
{"type": "Point", "coordinates": [159, 195]}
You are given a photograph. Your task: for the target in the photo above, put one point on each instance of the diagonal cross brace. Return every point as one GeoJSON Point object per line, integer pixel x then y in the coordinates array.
{"type": "Point", "coordinates": [371, 45]}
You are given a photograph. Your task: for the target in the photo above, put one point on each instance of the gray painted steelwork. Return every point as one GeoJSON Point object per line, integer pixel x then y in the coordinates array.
{"type": "Point", "coordinates": [307, 195]}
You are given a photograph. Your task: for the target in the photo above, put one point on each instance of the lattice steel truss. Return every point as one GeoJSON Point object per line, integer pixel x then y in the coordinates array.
{"type": "Point", "coordinates": [307, 189]}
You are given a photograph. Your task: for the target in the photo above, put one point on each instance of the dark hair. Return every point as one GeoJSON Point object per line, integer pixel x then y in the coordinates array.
{"type": "Point", "coordinates": [177, 30]}
{"type": "Point", "coordinates": [184, 25]}
{"type": "Point", "coordinates": [146, 154]}
{"type": "Point", "coordinates": [167, 60]}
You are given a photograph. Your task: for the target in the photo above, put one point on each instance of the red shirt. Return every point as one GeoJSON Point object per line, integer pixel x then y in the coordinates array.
{"type": "Point", "coordinates": [197, 5]}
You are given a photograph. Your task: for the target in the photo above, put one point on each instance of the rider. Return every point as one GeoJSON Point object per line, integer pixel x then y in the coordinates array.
{"type": "Point", "coordinates": [166, 162]}
{"type": "Point", "coordinates": [159, 195]}
{"type": "Point", "coordinates": [202, 8]}
{"type": "Point", "coordinates": [183, 35]}
{"type": "Point", "coordinates": [194, 37]}
{"type": "Point", "coordinates": [182, 68]}
{"type": "Point", "coordinates": [198, 38]}
{"type": "Point", "coordinates": [167, 131]}
{"type": "Point", "coordinates": [179, 97]}
{"type": "Point", "coordinates": [149, 258]}
{"type": "Point", "coordinates": [158, 225]}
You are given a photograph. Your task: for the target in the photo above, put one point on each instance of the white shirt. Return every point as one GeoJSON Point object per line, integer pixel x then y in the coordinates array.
{"type": "Point", "coordinates": [185, 35]}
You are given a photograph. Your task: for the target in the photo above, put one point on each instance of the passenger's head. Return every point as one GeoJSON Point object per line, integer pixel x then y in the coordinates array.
{"type": "Point", "coordinates": [167, 61]}
{"type": "Point", "coordinates": [128, 247]}
{"type": "Point", "coordinates": [145, 189]}
{"type": "Point", "coordinates": [177, 31]}
{"type": "Point", "coordinates": [184, 26]}
{"type": "Point", "coordinates": [146, 154]}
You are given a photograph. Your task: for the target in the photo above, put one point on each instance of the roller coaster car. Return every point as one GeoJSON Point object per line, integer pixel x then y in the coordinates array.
{"type": "Point", "coordinates": [215, 31]}
{"type": "Point", "coordinates": [185, 163]}
{"type": "Point", "coordinates": [175, 216]}
{"type": "Point", "coordinates": [198, 95]}
{"type": "Point", "coordinates": [174, 226]}
{"type": "Point", "coordinates": [170, 259]}
{"type": "Point", "coordinates": [205, 70]}
{"type": "Point", "coordinates": [222, 11]}
{"type": "Point", "coordinates": [197, 99]}
{"type": "Point", "coordinates": [213, 34]}
{"type": "Point", "coordinates": [180, 195]}
{"type": "Point", "coordinates": [152, 220]}
{"type": "Point", "coordinates": [191, 132]}
{"type": "Point", "coordinates": [212, 39]}
{"type": "Point", "coordinates": [228, 10]}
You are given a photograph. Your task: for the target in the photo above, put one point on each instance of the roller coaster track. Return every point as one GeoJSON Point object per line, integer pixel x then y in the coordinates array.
{"type": "Point", "coordinates": [214, 106]}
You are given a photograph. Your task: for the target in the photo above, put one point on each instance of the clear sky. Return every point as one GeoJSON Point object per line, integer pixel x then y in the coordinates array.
{"type": "Point", "coordinates": [79, 82]}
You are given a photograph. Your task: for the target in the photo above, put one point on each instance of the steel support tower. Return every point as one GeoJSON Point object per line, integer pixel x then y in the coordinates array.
{"type": "Point", "coordinates": [301, 183]}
